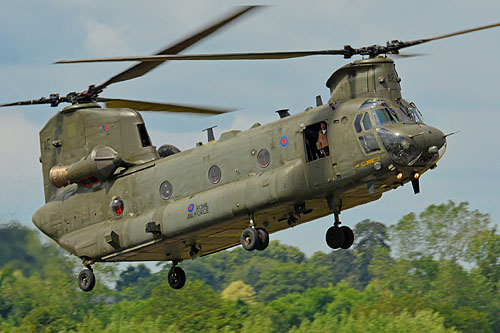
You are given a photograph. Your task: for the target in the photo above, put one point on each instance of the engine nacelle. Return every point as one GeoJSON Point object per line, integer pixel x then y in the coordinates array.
{"type": "Point", "coordinates": [98, 166]}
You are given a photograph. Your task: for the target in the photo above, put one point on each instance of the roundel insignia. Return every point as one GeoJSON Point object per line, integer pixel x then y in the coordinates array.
{"type": "Point", "coordinates": [284, 141]}
{"type": "Point", "coordinates": [190, 208]}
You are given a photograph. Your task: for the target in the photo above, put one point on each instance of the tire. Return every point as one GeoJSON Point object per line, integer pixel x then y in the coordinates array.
{"type": "Point", "coordinates": [263, 239]}
{"type": "Point", "coordinates": [86, 280]}
{"type": "Point", "coordinates": [349, 237]}
{"type": "Point", "coordinates": [250, 239]}
{"type": "Point", "coordinates": [334, 237]}
{"type": "Point", "coordinates": [176, 277]}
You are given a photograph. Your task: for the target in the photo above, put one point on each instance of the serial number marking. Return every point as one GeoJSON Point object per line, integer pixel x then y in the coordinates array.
{"type": "Point", "coordinates": [368, 162]}
{"type": "Point", "coordinates": [198, 210]}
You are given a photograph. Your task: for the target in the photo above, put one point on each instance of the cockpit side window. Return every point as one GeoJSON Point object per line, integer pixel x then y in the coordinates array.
{"type": "Point", "coordinates": [416, 113]}
{"type": "Point", "coordinates": [367, 124]}
{"type": "Point", "coordinates": [405, 114]}
{"type": "Point", "coordinates": [357, 123]}
{"type": "Point", "coordinates": [409, 112]}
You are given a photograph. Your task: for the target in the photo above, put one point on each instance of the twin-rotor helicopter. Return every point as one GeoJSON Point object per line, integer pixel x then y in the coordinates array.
{"type": "Point", "coordinates": [112, 196]}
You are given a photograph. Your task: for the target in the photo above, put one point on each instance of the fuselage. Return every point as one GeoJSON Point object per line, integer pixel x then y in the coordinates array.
{"type": "Point", "coordinates": [202, 197]}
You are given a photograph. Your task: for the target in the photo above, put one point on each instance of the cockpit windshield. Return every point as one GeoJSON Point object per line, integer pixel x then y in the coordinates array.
{"type": "Point", "coordinates": [372, 103]}
{"type": "Point", "coordinates": [406, 112]}
{"type": "Point", "coordinates": [384, 116]}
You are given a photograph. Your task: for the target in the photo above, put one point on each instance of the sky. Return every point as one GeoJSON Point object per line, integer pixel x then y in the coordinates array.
{"type": "Point", "coordinates": [454, 85]}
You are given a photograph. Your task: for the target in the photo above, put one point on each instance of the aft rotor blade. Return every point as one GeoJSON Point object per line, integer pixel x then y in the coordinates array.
{"type": "Point", "coordinates": [162, 107]}
{"type": "Point", "coordinates": [214, 56]}
{"type": "Point", "coordinates": [144, 67]}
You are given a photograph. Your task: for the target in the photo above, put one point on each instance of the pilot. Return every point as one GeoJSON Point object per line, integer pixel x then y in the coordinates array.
{"type": "Point", "coordinates": [322, 143]}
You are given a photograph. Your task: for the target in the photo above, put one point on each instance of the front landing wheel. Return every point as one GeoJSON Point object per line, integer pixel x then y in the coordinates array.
{"type": "Point", "coordinates": [348, 237]}
{"type": "Point", "coordinates": [86, 280]}
{"type": "Point", "coordinates": [176, 277]}
{"type": "Point", "coordinates": [335, 237]}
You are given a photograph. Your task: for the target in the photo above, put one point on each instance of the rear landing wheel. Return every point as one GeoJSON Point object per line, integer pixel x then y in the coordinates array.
{"type": "Point", "coordinates": [176, 277]}
{"type": "Point", "coordinates": [250, 239]}
{"type": "Point", "coordinates": [86, 280]}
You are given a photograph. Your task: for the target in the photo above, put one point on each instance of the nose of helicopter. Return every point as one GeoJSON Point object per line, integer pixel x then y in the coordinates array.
{"type": "Point", "coordinates": [431, 141]}
{"type": "Point", "coordinates": [406, 144]}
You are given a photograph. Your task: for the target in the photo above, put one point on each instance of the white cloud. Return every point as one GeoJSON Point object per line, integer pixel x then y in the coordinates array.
{"type": "Point", "coordinates": [105, 40]}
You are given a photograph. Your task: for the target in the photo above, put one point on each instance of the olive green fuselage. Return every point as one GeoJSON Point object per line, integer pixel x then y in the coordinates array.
{"type": "Point", "coordinates": [209, 212]}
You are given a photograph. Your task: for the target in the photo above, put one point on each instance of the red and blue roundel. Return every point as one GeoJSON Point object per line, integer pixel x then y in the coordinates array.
{"type": "Point", "coordinates": [190, 208]}
{"type": "Point", "coordinates": [283, 141]}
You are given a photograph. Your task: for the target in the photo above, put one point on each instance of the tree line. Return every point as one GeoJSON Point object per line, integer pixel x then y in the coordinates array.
{"type": "Point", "coordinates": [437, 271]}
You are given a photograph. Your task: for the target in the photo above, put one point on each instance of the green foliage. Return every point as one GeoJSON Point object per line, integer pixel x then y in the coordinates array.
{"type": "Point", "coordinates": [238, 290]}
{"type": "Point", "coordinates": [443, 276]}
{"type": "Point", "coordinates": [443, 232]}
{"type": "Point", "coordinates": [132, 275]}
{"type": "Point", "coordinates": [370, 237]}
{"type": "Point", "coordinates": [422, 321]}
{"type": "Point", "coordinates": [22, 249]}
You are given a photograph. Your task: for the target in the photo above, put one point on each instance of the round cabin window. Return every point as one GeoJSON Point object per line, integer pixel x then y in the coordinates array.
{"type": "Point", "coordinates": [214, 174]}
{"type": "Point", "coordinates": [264, 158]}
{"type": "Point", "coordinates": [117, 206]}
{"type": "Point", "coordinates": [166, 190]}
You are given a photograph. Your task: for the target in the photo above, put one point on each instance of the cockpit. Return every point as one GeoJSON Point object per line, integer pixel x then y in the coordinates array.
{"type": "Point", "coordinates": [406, 112]}
{"type": "Point", "coordinates": [371, 120]}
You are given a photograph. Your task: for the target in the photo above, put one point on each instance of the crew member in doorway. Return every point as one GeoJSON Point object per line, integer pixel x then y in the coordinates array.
{"type": "Point", "coordinates": [322, 143]}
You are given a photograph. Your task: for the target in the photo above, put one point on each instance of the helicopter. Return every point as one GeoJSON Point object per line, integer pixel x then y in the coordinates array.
{"type": "Point", "coordinates": [111, 196]}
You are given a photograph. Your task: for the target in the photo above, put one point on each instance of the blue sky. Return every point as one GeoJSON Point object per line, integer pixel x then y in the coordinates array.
{"type": "Point", "coordinates": [455, 85]}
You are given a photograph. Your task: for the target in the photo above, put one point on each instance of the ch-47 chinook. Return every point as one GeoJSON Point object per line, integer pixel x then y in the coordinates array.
{"type": "Point", "coordinates": [112, 196]}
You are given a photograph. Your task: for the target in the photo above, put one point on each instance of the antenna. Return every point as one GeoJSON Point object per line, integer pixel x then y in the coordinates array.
{"type": "Point", "coordinates": [210, 133]}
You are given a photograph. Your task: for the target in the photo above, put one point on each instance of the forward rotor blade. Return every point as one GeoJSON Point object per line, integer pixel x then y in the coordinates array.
{"type": "Point", "coordinates": [144, 67]}
{"type": "Point", "coordinates": [425, 40]}
{"type": "Point", "coordinates": [162, 107]}
{"type": "Point", "coordinates": [214, 56]}
{"type": "Point", "coordinates": [407, 55]}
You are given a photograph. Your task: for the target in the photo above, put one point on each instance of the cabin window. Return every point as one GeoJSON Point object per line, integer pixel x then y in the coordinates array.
{"type": "Point", "coordinates": [264, 158]}
{"type": "Point", "coordinates": [369, 143]}
{"type": "Point", "coordinates": [214, 174]}
{"type": "Point", "coordinates": [166, 190]}
{"type": "Point", "coordinates": [117, 206]}
{"type": "Point", "coordinates": [143, 134]}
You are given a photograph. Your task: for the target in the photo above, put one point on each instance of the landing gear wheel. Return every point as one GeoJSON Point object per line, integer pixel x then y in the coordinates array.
{"type": "Point", "coordinates": [250, 239]}
{"type": "Point", "coordinates": [86, 280]}
{"type": "Point", "coordinates": [349, 237]}
{"type": "Point", "coordinates": [176, 277]}
{"type": "Point", "coordinates": [263, 239]}
{"type": "Point", "coordinates": [335, 237]}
